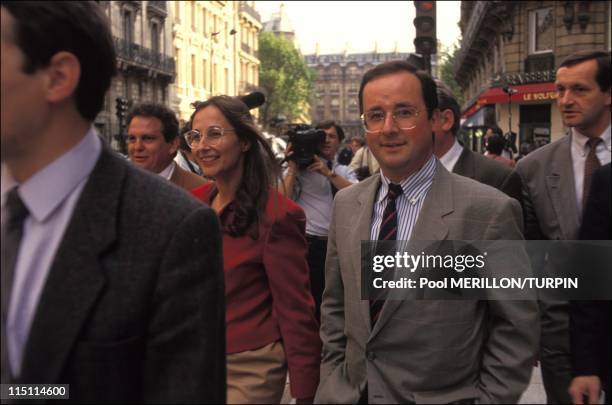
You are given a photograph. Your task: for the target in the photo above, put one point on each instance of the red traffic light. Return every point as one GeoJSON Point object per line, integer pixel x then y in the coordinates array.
{"type": "Point", "coordinates": [424, 5]}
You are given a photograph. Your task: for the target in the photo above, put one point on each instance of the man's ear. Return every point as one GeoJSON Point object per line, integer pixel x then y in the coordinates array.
{"type": "Point", "coordinates": [62, 76]}
{"type": "Point", "coordinates": [447, 119]}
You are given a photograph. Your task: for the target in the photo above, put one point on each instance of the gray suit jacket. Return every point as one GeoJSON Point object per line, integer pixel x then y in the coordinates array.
{"type": "Point", "coordinates": [489, 172]}
{"type": "Point", "coordinates": [423, 351]}
{"type": "Point", "coordinates": [551, 212]}
{"type": "Point", "coordinates": [133, 308]}
{"type": "Point", "coordinates": [549, 192]}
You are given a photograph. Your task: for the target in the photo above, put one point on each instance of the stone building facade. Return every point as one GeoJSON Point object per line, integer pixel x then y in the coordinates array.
{"type": "Point", "coordinates": [517, 46]}
{"type": "Point", "coordinates": [146, 68]}
{"type": "Point", "coordinates": [215, 44]}
{"type": "Point", "coordinates": [337, 86]}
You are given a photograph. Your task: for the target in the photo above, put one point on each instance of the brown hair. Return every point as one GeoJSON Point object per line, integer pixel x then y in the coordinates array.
{"type": "Point", "coordinates": [260, 171]}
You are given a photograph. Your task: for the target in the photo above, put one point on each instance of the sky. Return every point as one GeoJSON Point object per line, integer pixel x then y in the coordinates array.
{"type": "Point", "coordinates": [360, 25]}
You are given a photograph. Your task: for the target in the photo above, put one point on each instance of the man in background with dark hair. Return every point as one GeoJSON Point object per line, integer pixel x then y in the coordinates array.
{"type": "Point", "coordinates": [556, 183]}
{"type": "Point", "coordinates": [112, 279]}
{"type": "Point", "coordinates": [495, 147]}
{"type": "Point", "coordinates": [314, 189]}
{"type": "Point", "coordinates": [153, 142]}
{"type": "Point", "coordinates": [457, 159]}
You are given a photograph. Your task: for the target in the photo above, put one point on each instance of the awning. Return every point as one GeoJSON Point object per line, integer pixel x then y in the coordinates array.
{"type": "Point", "coordinates": [523, 93]}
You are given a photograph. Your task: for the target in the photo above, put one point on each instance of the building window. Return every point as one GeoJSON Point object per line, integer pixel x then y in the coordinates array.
{"type": "Point", "coordinates": [179, 75]}
{"type": "Point", "coordinates": [193, 71]}
{"type": "Point", "coordinates": [177, 10]}
{"type": "Point", "coordinates": [226, 74]}
{"type": "Point", "coordinates": [193, 15]}
{"type": "Point", "coordinates": [204, 15]}
{"type": "Point", "coordinates": [155, 37]}
{"type": "Point", "coordinates": [203, 73]}
{"type": "Point", "coordinates": [541, 30]}
{"type": "Point", "coordinates": [128, 26]}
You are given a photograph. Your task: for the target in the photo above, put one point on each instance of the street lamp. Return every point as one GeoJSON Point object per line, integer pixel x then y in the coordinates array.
{"type": "Point", "coordinates": [212, 35]}
{"type": "Point", "coordinates": [509, 91]}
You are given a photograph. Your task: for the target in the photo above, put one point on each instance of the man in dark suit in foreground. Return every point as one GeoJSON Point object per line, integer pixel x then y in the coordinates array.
{"type": "Point", "coordinates": [111, 277]}
{"type": "Point", "coordinates": [460, 160]}
{"type": "Point", "coordinates": [590, 320]}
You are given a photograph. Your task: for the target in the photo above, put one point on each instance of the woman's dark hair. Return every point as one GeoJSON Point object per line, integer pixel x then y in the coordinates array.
{"type": "Point", "coordinates": [495, 144]}
{"type": "Point", "coordinates": [260, 171]}
{"type": "Point", "coordinates": [428, 86]}
{"type": "Point", "coordinates": [44, 28]}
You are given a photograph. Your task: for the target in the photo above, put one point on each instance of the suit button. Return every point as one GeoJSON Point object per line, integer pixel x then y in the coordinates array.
{"type": "Point", "coordinates": [371, 355]}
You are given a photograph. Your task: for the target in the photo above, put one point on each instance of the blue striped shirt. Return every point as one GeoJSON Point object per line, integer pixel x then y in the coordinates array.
{"type": "Point", "coordinates": [409, 204]}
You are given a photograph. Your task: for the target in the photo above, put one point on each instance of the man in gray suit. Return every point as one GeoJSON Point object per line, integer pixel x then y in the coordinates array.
{"type": "Point", "coordinates": [458, 159]}
{"type": "Point", "coordinates": [556, 182]}
{"type": "Point", "coordinates": [417, 351]}
{"type": "Point", "coordinates": [112, 278]}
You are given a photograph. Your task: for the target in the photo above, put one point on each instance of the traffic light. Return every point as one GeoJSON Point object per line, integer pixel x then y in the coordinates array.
{"type": "Point", "coordinates": [121, 105]}
{"type": "Point", "coordinates": [425, 42]}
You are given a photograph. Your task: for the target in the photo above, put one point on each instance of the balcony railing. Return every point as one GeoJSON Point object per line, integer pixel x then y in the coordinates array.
{"type": "Point", "coordinates": [144, 57]}
{"type": "Point", "coordinates": [246, 8]}
{"type": "Point", "coordinates": [515, 79]}
{"type": "Point", "coordinates": [158, 7]}
{"type": "Point", "coordinates": [540, 63]}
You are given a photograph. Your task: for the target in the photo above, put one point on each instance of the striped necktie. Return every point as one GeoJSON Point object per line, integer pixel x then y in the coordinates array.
{"type": "Point", "coordinates": [388, 231]}
{"type": "Point", "coordinates": [591, 164]}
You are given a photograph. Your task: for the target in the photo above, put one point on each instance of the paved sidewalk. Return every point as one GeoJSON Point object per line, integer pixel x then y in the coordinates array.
{"type": "Point", "coordinates": [535, 393]}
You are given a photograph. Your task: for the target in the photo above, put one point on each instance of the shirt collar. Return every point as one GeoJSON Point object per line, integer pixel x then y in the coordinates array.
{"type": "Point", "coordinates": [579, 140]}
{"type": "Point", "coordinates": [451, 156]}
{"type": "Point", "coordinates": [413, 185]}
{"type": "Point", "coordinates": [48, 188]}
{"type": "Point", "coordinates": [168, 171]}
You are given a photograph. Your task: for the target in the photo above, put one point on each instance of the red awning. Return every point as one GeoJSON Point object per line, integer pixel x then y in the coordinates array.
{"type": "Point", "coordinates": [523, 93]}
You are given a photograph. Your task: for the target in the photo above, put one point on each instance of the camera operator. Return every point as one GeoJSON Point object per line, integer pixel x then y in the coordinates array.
{"type": "Point", "coordinates": [313, 187]}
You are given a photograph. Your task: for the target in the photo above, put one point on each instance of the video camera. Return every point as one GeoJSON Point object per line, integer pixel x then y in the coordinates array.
{"type": "Point", "coordinates": [305, 141]}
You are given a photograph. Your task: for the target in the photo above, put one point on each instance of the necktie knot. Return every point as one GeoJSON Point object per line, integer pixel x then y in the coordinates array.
{"type": "Point", "coordinates": [593, 142]}
{"type": "Point", "coordinates": [16, 209]}
{"type": "Point", "coordinates": [395, 190]}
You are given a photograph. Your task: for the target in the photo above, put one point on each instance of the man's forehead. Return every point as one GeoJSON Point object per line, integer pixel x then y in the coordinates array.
{"type": "Point", "coordinates": [399, 88]}
{"type": "Point", "coordinates": [586, 70]}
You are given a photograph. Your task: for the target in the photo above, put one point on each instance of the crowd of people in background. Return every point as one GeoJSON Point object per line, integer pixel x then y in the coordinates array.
{"type": "Point", "coordinates": [201, 271]}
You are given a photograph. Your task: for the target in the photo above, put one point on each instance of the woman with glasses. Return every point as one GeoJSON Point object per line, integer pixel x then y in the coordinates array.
{"type": "Point", "coordinates": [269, 309]}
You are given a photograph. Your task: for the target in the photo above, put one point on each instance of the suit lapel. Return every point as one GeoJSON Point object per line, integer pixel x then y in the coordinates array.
{"type": "Point", "coordinates": [365, 208]}
{"type": "Point", "coordinates": [177, 177]}
{"type": "Point", "coordinates": [430, 226]}
{"type": "Point", "coordinates": [76, 277]}
{"type": "Point", "coordinates": [562, 190]}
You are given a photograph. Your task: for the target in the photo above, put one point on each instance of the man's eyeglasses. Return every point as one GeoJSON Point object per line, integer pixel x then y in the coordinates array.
{"type": "Point", "coordinates": [213, 136]}
{"type": "Point", "coordinates": [404, 117]}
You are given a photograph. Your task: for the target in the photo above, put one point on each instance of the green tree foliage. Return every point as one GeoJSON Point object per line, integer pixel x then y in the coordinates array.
{"type": "Point", "coordinates": [446, 72]}
{"type": "Point", "coordinates": [285, 78]}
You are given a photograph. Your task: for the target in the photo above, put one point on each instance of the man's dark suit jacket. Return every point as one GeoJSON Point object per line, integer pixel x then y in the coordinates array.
{"type": "Point", "coordinates": [133, 308]}
{"type": "Point", "coordinates": [489, 172]}
{"type": "Point", "coordinates": [590, 320]}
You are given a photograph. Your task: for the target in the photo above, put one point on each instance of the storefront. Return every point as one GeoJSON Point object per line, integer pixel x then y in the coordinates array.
{"type": "Point", "coordinates": [529, 111]}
